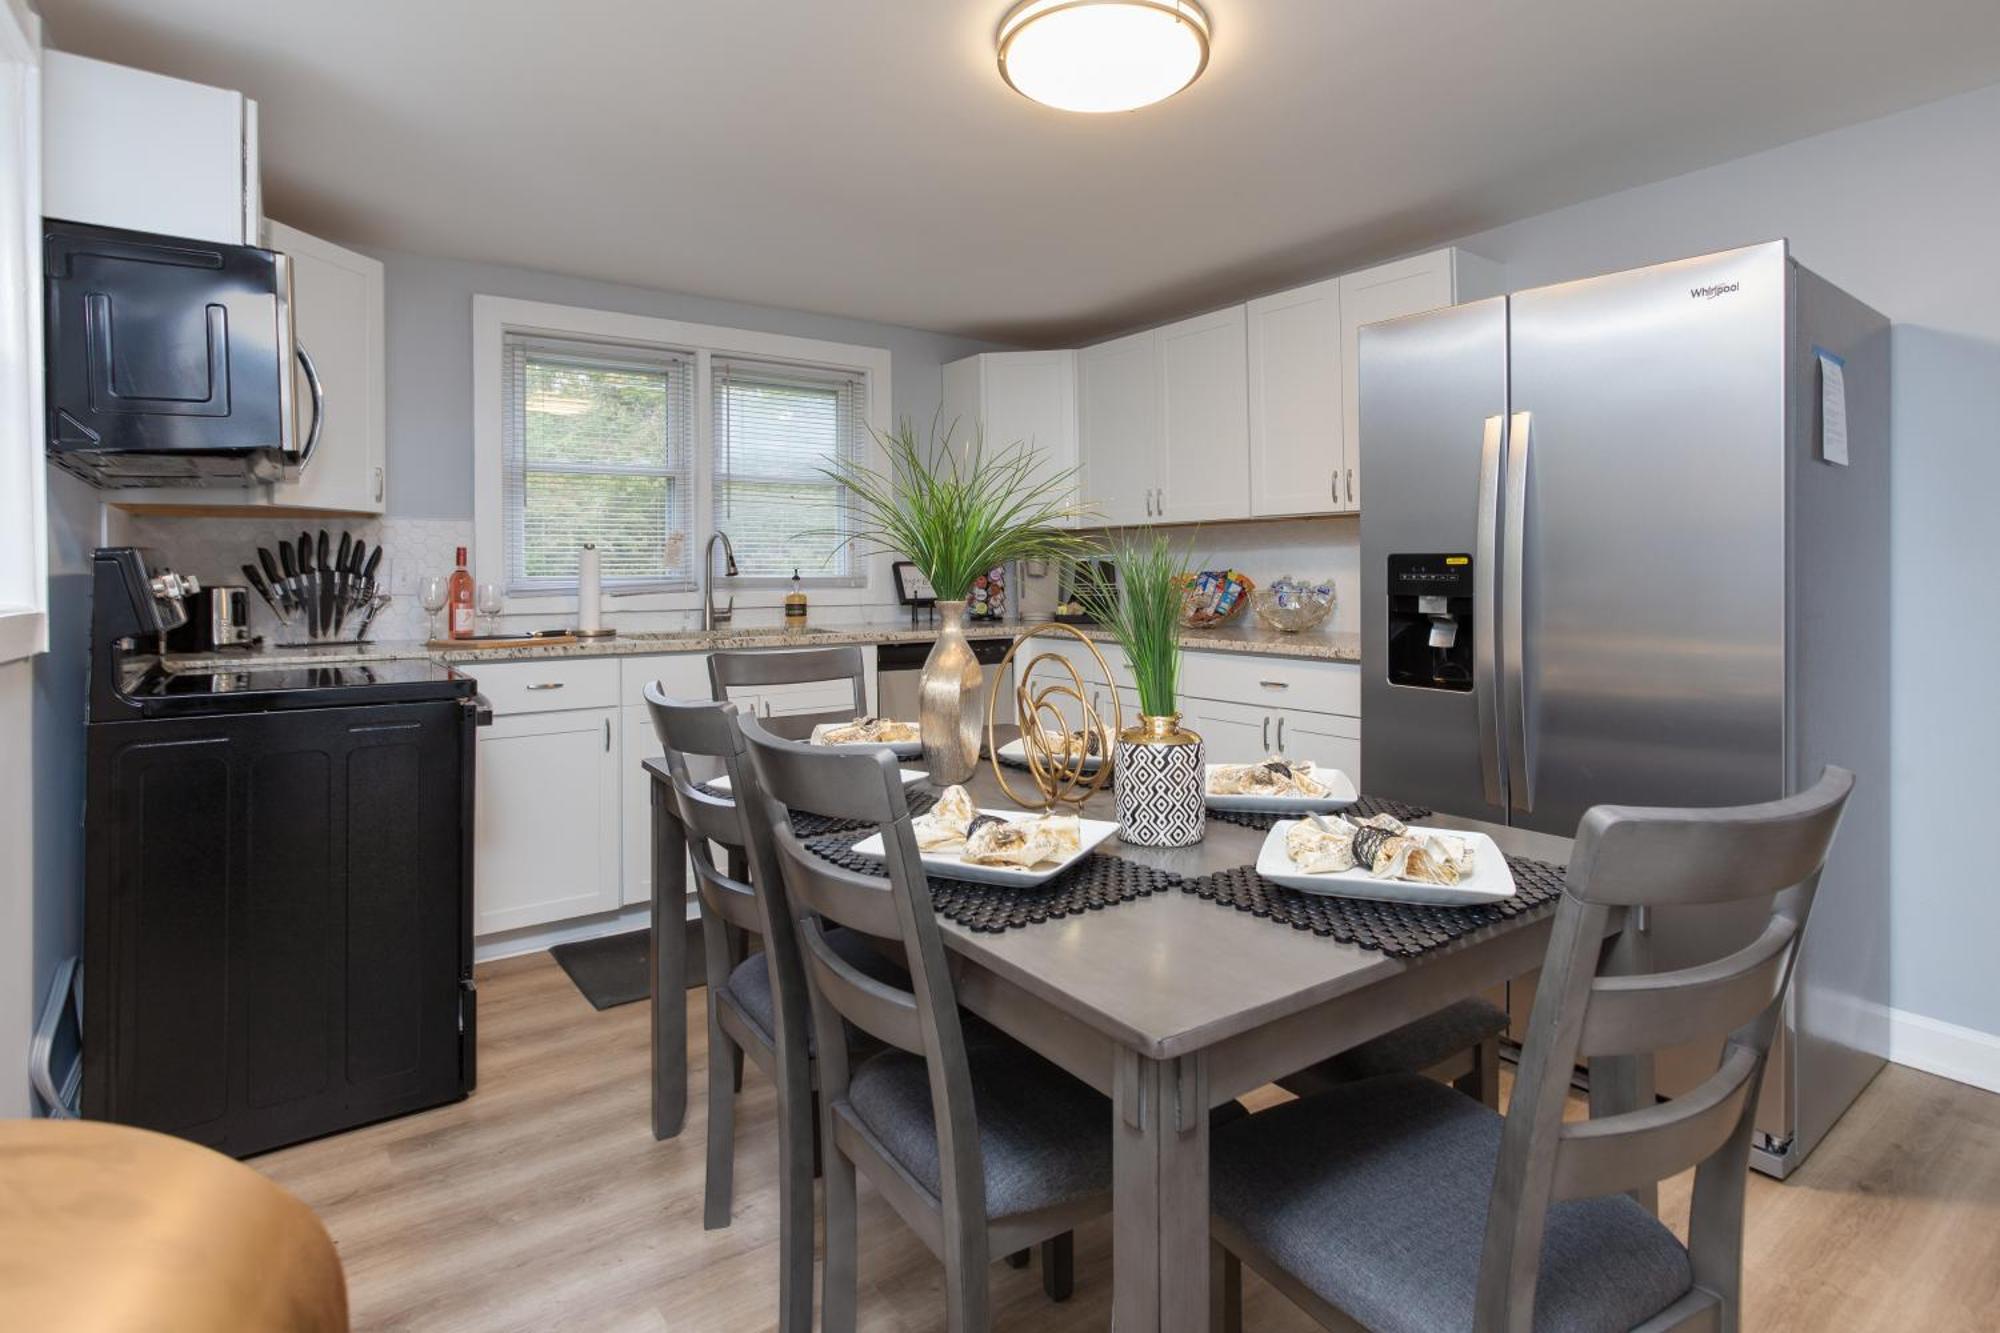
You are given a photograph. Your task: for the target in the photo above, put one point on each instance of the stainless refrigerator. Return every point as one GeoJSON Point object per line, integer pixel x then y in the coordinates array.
{"type": "Point", "coordinates": [1607, 558]}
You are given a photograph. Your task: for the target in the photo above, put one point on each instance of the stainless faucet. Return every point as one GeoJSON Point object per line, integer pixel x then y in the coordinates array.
{"type": "Point", "coordinates": [711, 615]}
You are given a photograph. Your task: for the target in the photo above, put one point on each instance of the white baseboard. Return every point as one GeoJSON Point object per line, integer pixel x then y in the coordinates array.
{"type": "Point", "coordinates": [534, 939]}
{"type": "Point", "coordinates": [1962, 1054]}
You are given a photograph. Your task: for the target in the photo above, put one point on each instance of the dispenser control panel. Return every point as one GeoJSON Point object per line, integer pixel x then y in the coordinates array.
{"type": "Point", "coordinates": [1431, 634]}
{"type": "Point", "coordinates": [1430, 575]}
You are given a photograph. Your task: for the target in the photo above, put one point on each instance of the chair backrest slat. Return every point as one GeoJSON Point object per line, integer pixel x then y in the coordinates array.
{"type": "Point", "coordinates": [732, 900]}
{"type": "Point", "coordinates": [883, 1012]}
{"type": "Point", "coordinates": [708, 818]}
{"type": "Point", "coordinates": [739, 670]}
{"type": "Point", "coordinates": [1655, 1010]}
{"type": "Point", "coordinates": [1662, 860]}
{"type": "Point", "coordinates": [861, 902]}
{"type": "Point", "coordinates": [1622, 1152]}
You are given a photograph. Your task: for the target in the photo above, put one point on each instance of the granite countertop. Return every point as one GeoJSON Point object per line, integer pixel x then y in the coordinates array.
{"type": "Point", "coordinates": [1246, 638]}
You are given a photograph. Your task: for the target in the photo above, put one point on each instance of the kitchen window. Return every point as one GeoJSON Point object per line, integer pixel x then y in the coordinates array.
{"type": "Point", "coordinates": [599, 442]}
{"type": "Point", "coordinates": [777, 429]}
{"type": "Point", "coordinates": [648, 435]}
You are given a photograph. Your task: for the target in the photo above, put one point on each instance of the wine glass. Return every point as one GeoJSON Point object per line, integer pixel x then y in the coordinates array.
{"type": "Point", "coordinates": [489, 606]}
{"type": "Point", "coordinates": [432, 596]}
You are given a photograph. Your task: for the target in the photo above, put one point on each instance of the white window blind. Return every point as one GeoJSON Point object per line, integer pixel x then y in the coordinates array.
{"type": "Point", "coordinates": [597, 447]}
{"type": "Point", "coordinates": [776, 427]}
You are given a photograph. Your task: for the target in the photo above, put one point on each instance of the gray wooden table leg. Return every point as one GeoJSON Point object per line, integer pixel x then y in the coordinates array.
{"type": "Point", "coordinates": [1620, 1083]}
{"type": "Point", "coordinates": [1159, 1245]}
{"type": "Point", "coordinates": [669, 967]}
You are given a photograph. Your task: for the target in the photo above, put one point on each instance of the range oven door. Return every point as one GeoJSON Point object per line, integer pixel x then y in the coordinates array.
{"type": "Point", "coordinates": [169, 361]}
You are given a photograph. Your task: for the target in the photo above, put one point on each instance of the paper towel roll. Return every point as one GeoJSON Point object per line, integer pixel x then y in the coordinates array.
{"type": "Point", "coordinates": [589, 589]}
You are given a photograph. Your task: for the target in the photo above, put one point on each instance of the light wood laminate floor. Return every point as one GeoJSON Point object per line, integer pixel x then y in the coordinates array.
{"type": "Point", "coordinates": [544, 1203]}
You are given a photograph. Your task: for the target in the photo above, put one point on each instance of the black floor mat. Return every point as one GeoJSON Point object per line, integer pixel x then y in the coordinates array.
{"type": "Point", "coordinates": [611, 969]}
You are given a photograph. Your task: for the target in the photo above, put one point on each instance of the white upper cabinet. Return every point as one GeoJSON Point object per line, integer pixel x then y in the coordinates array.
{"type": "Point", "coordinates": [128, 148]}
{"type": "Point", "coordinates": [1017, 398]}
{"type": "Point", "coordinates": [1298, 449]}
{"type": "Point", "coordinates": [1203, 468]}
{"type": "Point", "coordinates": [1119, 441]}
{"type": "Point", "coordinates": [337, 314]}
{"type": "Point", "coordinates": [1390, 291]}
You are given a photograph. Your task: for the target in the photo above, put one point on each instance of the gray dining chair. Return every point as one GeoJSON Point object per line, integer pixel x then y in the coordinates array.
{"type": "Point", "coordinates": [982, 1147]}
{"type": "Point", "coordinates": [757, 1003]}
{"type": "Point", "coordinates": [735, 673]}
{"type": "Point", "coordinates": [1397, 1204]}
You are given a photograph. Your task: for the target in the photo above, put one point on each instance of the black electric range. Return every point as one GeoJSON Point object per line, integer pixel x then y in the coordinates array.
{"type": "Point", "coordinates": [267, 688]}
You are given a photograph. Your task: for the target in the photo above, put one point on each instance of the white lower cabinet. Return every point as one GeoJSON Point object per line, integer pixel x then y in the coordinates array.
{"type": "Point", "coordinates": [1231, 733]}
{"type": "Point", "coordinates": [546, 827]}
{"type": "Point", "coordinates": [1237, 733]}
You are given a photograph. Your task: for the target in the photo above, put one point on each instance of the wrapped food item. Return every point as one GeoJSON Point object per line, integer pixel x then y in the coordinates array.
{"type": "Point", "coordinates": [1322, 847]}
{"type": "Point", "coordinates": [943, 826]}
{"type": "Point", "coordinates": [1275, 776]}
{"type": "Point", "coordinates": [866, 731]}
{"type": "Point", "coordinates": [1028, 841]}
{"type": "Point", "coordinates": [1069, 746]}
{"type": "Point", "coordinates": [1381, 845]}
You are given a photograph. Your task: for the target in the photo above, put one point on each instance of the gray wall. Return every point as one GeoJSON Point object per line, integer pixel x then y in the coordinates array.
{"type": "Point", "coordinates": [1901, 212]}
{"type": "Point", "coordinates": [429, 311]}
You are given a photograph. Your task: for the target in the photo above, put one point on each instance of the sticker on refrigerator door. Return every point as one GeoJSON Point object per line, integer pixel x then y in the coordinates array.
{"type": "Point", "coordinates": [1832, 407]}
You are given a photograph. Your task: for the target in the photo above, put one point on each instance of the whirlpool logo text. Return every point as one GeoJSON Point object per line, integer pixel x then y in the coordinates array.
{"type": "Point", "coordinates": [1713, 290]}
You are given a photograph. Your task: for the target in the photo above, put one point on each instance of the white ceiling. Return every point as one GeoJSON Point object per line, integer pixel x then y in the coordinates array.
{"type": "Point", "coordinates": [863, 157]}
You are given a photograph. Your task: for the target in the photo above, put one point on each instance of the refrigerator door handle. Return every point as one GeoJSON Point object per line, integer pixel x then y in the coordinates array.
{"type": "Point", "coordinates": [1520, 752]}
{"type": "Point", "coordinates": [1485, 576]}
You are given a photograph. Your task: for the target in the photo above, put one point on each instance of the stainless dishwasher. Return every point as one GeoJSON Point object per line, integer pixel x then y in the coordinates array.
{"type": "Point", "coordinates": [897, 666]}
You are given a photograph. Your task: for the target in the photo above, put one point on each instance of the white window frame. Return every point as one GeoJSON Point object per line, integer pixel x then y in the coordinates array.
{"type": "Point", "coordinates": [24, 541]}
{"type": "Point", "coordinates": [493, 317]}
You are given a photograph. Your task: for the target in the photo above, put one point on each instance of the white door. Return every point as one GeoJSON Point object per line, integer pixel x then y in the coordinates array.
{"type": "Point", "coordinates": [1030, 397]}
{"type": "Point", "coordinates": [337, 312]}
{"type": "Point", "coordinates": [546, 826]}
{"type": "Point", "coordinates": [1298, 453]}
{"type": "Point", "coordinates": [1328, 739]}
{"type": "Point", "coordinates": [1233, 733]}
{"type": "Point", "coordinates": [1119, 437]}
{"type": "Point", "coordinates": [1204, 420]}
{"type": "Point", "coordinates": [1390, 291]}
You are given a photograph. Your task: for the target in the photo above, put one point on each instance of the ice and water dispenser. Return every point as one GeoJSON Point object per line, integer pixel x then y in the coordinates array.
{"type": "Point", "coordinates": [1431, 629]}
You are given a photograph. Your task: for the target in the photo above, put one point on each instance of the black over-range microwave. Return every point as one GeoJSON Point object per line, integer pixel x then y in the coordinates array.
{"type": "Point", "coordinates": [170, 360]}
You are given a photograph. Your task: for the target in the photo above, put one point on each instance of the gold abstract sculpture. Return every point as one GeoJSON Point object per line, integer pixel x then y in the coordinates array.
{"type": "Point", "coordinates": [1068, 763]}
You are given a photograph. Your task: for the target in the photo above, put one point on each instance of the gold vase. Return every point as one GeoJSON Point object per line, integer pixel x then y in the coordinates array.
{"type": "Point", "coordinates": [948, 700]}
{"type": "Point", "coordinates": [1158, 779]}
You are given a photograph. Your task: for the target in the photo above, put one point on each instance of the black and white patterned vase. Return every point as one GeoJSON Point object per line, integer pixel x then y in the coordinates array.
{"type": "Point", "coordinates": [1158, 774]}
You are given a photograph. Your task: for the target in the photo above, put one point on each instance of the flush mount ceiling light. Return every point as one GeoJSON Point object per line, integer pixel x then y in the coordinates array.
{"type": "Point", "coordinates": [1102, 55]}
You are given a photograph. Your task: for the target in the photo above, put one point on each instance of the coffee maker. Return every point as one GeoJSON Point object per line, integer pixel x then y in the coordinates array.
{"type": "Point", "coordinates": [1431, 629]}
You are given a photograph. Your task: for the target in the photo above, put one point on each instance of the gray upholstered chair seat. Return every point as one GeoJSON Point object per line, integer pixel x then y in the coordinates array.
{"type": "Point", "coordinates": [1418, 1045]}
{"type": "Point", "coordinates": [1374, 1196]}
{"type": "Point", "coordinates": [1044, 1138]}
{"type": "Point", "coordinates": [750, 982]}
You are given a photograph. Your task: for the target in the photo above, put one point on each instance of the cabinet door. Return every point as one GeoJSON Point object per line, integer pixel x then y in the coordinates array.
{"type": "Point", "coordinates": [1328, 739]}
{"type": "Point", "coordinates": [337, 311]}
{"type": "Point", "coordinates": [1406, 287]}
{"type": "Point", "coordinates": [546, 831]}
{"type": "Point", "coordinates": [1030, 397]}
{"type": "Point", "coordinates": [635, 802]}
{"type": "Point", "coordinates": [1204, 420]}
{"type": "Point", "coordinates": [1298, 453]}
{"type": "Point", "coordinates": [1234, 733]}
{"type": "Point", "coordinates": [1119, 439]}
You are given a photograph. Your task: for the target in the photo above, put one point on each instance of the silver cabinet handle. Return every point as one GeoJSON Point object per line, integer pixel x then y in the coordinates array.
{"type": "Point", "coordinates": [1275, 684]}
{"type": "Point", "coordinates": [1281, 734]}
{"type": "Point", "coordinates": [1267, 734]}
{"type": "Point", "coordinates": [1160, 501]}
{"type": "Point", "coordinates": [1350, 485]}
{"type": "Point", "coordinates": [546, 685]}
{"type": "Point", "coordinates": [607, 735]}
{"type": "Point", "coordinates": [1485, 601]}
{"type": "Point", "coordinates": [378, 485]}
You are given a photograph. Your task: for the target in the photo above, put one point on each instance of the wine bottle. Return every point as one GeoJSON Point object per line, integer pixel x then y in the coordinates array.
{"type": "Point", "coordinates": [459, 597]}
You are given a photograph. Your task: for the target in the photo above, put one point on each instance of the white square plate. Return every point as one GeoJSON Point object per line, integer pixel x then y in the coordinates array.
{"type": "Point", "coordinates": [901, 749]}
{"type": "Point", "coordinates": [1013, 754]}
{"type": "Point", "coordinates": [947, 865]}
{"type": "Point", "coordinates": [1338, 784]}
{"type": "Point", "coordinates": [1491, 880]}
{"type": "Point", "coordinates": [911, 776]}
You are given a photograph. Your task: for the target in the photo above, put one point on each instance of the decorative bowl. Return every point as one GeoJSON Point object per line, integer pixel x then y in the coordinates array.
{"type": "Point", "coordinates": [1214, 597]}
{"type": "Point", "coordinates": [1293, 606]}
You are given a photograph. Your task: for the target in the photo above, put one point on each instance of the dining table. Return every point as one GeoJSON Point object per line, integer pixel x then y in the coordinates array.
{"type": "Point", "coordinates": [1170, 1005]}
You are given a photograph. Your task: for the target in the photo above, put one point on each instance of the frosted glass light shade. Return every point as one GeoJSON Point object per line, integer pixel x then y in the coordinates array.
{"type": "Point", "coordinates": [1102, 55]}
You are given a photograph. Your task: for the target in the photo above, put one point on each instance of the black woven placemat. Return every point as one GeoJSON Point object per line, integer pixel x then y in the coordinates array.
{"type": "Point", "coordinates": [1400, 930]}
{"type": "Point", "coordinates": [1361, 809]}
{"type": "Point", "coordinates": [808, 825]}
{"type": "Point", "coordinates": [1094, 883]}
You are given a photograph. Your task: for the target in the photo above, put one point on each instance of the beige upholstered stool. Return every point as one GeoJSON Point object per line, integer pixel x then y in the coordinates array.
{"type": "Point", "coordinates": [105, 1229]}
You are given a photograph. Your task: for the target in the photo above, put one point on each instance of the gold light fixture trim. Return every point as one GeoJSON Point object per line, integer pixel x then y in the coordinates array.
{"type": "Point", "coordinates": [1097, 56]}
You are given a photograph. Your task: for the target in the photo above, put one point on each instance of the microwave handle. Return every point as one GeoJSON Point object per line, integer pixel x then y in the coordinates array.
{"type": "Point", "coordinates": [319, 406]}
